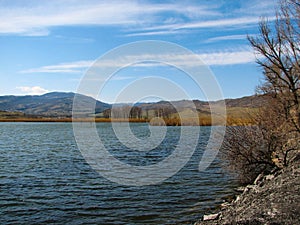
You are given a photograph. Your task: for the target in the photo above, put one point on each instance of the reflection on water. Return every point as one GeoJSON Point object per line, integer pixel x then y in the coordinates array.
{"type": "Point", "coordinates": [45, 179]}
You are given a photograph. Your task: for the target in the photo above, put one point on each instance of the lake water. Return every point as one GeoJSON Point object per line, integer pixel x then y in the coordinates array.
{"type": "Point", "coordinates": [45, 179]}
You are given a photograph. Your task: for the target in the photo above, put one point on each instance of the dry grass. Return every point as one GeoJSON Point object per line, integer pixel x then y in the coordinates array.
{"type": "Point", "coordinates": [235, 117]}
{"type": "Point", "coordinates": [97, 120]}
{"type": "Point", "coordinates": [203, 121]}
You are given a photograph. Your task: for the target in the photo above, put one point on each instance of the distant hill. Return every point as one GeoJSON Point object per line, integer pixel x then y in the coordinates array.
{"type": "Point", "coordinates": [255, 101]}
{"type": "Point", "coordinates": [52, 104]}
{"type": "Point", "coordinates": [240, 111]}
{"type": "Point", "coordinates": [59, 104]}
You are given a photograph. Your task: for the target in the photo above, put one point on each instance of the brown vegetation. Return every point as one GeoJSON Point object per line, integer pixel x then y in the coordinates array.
{"type": "Point", "coordinates": [53, 119]}
{"type": "Point", "coordinates": [236, 116]}
{"type": "Point", "coordinates": [275, 140]}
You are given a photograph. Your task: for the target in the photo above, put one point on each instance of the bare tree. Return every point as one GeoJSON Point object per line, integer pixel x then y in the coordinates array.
{"type": "Point", "coordinates": [247, 152]}
{"type": "Point", "coordinates": [135, 112]}
{"type": "Point", "coordinates": [261, 148]}
{"type": "Point", "coordinates": [278, 52]}
{"type": "Point", "coordinates": [107, 113]}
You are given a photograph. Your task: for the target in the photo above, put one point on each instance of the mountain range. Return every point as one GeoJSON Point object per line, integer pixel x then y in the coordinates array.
{"type": "Point", "coordinates": [51, 104]}
{"type": "Point", "coordinates": [59, 104]}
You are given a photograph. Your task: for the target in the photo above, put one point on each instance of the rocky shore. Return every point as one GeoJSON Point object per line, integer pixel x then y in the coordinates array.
{"type": "Point", "coordinates": [271, 199]}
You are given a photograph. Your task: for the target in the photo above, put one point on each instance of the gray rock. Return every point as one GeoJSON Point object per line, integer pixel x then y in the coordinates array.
{"type": "Point", "coordinates": [269, 177]}
{"type": "Point", "coordinates": [258, 179]}
{"type": "Point", "coordinates": [274, 202]}
{"type": "Point", "coordinates": [211, 217]}
{"type": "Point", "coordinates": [225, 204]}
{"type": "Point", "coordinates": [240, 189]}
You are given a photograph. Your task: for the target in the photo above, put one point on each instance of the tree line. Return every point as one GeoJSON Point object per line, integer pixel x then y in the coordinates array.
{"type": "Point", "coordinates": [136, 112]}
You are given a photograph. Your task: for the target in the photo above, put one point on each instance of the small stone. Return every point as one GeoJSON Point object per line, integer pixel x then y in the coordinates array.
{"type": "Point", "coordinates": [272, 214]}
{"type": "Point", "coordinates": [211, 217]}
{"type": "Point", "coordinates": [240, 189]}
{"type": "Point", "coordinates": [269, 177]}
{"type": "Point", "coordinates": [250, 186]}
{"type": "Point", "coordinates": [225, 204]}
{"type": "Point", "coordinates": [258, 179]}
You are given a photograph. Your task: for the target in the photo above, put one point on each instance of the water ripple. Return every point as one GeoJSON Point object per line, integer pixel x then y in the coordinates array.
{"type": "Point", "coordinates": [44, 179]}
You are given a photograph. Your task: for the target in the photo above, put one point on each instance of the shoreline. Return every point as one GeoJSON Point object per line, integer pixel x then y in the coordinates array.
{"type": "Point", "coordinates": [69, 120]}
{"type": "Point", "coordinates": [271, 199]}
{"type": "Point", "coordinates": [162, 122]}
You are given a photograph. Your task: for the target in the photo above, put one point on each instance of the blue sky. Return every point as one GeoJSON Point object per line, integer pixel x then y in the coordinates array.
{"type": "Point", "coordinates": [48, 45]}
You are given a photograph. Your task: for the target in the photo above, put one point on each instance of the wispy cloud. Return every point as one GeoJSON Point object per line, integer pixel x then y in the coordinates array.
{"type": "Point", "coordinates": [74, 39]}
{"type": "Point", "coordinates": [228, 57]}
{"type": "Point", "coordinates": [217, 23]}
{"type": "Point", "coordinates": [71, 67]}
{"type": "Point", "coordinates": [151, 33]}
{"type": "Point", "coordinates": [257, 7]}
{"type": "Point", "coordinates": [180, 28]}
{"type": "Point", "coordinates": [235, 23]}
{"type": "Point", "coordinates": [32, 90]}
{"type": "Point", "coordinates": [228, 37]}
{"type": "Point", "coordinates": [36, 18]}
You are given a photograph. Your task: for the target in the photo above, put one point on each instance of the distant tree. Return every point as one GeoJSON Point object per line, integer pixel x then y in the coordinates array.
{"type": "Point", "coordinates": [147, 113]}
{"type": "Point", "coordinates": [107, 113]}
{"type": "Point", "coordinates": [168, 111]}
{"type": "Point", "coordinates": [158, 112]}
{"type": "Point", "coordinates": [121, 112]}
{"type": "Point", "coordinates": [135, 112]}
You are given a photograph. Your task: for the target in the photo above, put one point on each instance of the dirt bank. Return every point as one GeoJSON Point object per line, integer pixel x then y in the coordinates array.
{"type": "Point", "coordinates": [272, 199]}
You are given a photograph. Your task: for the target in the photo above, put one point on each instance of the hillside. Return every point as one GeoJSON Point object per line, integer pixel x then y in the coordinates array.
{"type": "Point", "coordinates": [55, 104]}
{"type": "Point", "coordinates": [239, 110]}
{"type": "Point", "coordinates": [59, 105]}
{"type": "Point", "coordinates": [254, 101]}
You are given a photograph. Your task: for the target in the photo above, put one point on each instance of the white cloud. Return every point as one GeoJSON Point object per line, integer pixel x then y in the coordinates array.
{"type": "Point", "coordinates": [36, 17]}
{"type": "Point", "coordinates": [151, 33]}
{"type": "Point", "coordinates": [218, 23]}
{"type": "Point", "coordinates": [34, 90]}
{"type": "Point", "coordinates": [170, 29]}
{"type": "Point", "coordinates": [257, 7]}
{"type": "Point", "coordinates": [228, 57]}
{"type": "Point", "coordinates": [228, 37]}
{"type": "Point", "coordinates": [72, 67]}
